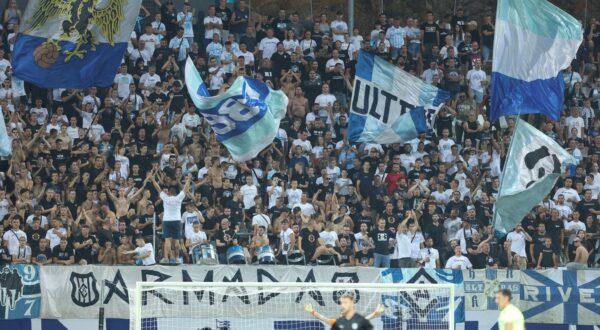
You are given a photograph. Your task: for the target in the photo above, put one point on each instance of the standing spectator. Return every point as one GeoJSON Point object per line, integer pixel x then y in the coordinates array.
{"type": "Point", "coordinates": [171, 220]}
{"type": "Point", "coordinates": [339, 28]}
{"type": "Point", "coordinates": [458, 260]}
{"type": "Point", "coordinates": [477, 82]}
{"type": "Point", "coordinates": [381, 239]}
{"type": "Point", "coordinates": [487, 38]}
{"type": "Point", "coordinates": [180, 47]}
{"type": "Point", "coordinates": [516, 239]}
{"type": "Point", "coordinates": [239, 20]}
{"type": "Point", "coordinates": [224, 13]}
{"type": "Point", "coordinates": [396, 34]}
{"type": "Point", "coordinates": [430, 34]}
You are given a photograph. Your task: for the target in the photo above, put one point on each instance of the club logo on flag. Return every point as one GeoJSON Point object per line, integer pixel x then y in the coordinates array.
{"type": "Point", "coordinates": [74, 43]}
{"type": "Point", "coordinates": [83, 289]}
{"type": "Point", "coordinates": [77, 20]}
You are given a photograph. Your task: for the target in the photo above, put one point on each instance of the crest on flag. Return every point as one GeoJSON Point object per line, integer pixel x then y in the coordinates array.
{"type": "Point", "coordinates": [83, 289]}
{"type": "Point", "coordinates": [80, 22]}
{"type": "Point", "coordinates": [533, 165]}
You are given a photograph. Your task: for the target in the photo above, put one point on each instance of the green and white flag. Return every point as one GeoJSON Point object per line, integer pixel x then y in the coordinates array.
{"type": "Point", "coordinates": [533, 165]}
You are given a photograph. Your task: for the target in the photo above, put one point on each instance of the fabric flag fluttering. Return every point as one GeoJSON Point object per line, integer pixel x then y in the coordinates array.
{"type": "Point", "coordinates": [533, 42]}
{"type": "Point", "coordinates": [388, 104]}
{"type": "Point", "coordinates": [245, 118]}
{"type": "Point", "coordinates": [533, 165]}
{"type": "Point", "coordinates": [73, 44]}
{"type": "Point", "coordinates": [5, 141]}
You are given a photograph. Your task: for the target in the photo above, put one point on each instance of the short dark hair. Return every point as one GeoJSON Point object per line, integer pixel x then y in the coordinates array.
{"type": "Point", "coordinates": [506, 293]}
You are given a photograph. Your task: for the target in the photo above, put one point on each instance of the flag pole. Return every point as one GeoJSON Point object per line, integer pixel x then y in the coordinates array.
{"type": "Point", "coordinates": [503, 168]}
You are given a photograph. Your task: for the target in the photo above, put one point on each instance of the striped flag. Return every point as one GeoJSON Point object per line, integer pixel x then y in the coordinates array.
{"type": "Point", "coordinates": [530, 52]}
{"type": "Point", "coordinates": [245, 118]}
{"type": "Point", "coordinates": [388, 104]}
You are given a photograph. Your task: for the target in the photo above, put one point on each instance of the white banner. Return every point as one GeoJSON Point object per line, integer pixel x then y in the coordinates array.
{"type": "Point", "coordinates": [79, 291]}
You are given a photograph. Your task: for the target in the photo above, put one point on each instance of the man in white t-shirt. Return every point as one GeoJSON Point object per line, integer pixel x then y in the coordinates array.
{"type": "Point", "coordinates": [325, 100]}
{"type": "Point", "coordinates": [338, 27]}
{"type": "Point", "coordinates": [287, 238]}
{"type": "Point", "coordinates": [189, 217]}
{"type": "Point", "coordinates": [294, 194]}
{"type": "Point", "coordinates": [248, 56]}
{"type": "Point", "coordinates": [429, 256]}
{"type": "Point", "coordinates": [333, 61]}
{"type": "Point", "coordinates": [172, 218]}
{"type": "Point", "coordinates": [570, 194]}
{"type": "Point", "coordinates": [191, 120]}
{"type": "Point", "coordinates": [149, 80]}
{"type": "Point", "coordinates": [477, 79]}
{"type": "Point", "coordinates": [260, 220]}
{"type": "Point", "coordinates": [574, 121]}
{"type": "Point", "coordinates": [274, 191]}
{"type": "Point", "coordinates": [268, 45]}
{"type": "Point", "coordinates": [123, 80]}
{"type": "Point", "coordinates": [144, 252]}
{"type": "Point", "coordinates": [249, 191]}
{"type": "Point", "coordinates": [212, 25]}
{"type": "Point", "coordinates": [305, 207]}
{"type": "Point", "coordinates": [458, 261]}
{"type": "Point", "coordinates": [151, 40]}
{"type": "Point", "coordinates": [194, 239]}
{"type": "Point", "coordinates": [13, 234]}
{"type": "Point", "coordinates": [517, 240]}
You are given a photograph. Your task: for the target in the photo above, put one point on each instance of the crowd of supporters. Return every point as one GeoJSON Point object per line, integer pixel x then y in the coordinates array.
{"type": "Point", "coordinates": [98, 176]}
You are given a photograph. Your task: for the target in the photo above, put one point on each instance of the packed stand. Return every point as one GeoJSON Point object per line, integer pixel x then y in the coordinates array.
{"type": "Point", "coordinates": [100, 176]}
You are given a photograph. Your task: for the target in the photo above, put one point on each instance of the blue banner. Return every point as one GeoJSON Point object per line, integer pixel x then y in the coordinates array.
{"type": "Point", "coordinates": [19, 292]}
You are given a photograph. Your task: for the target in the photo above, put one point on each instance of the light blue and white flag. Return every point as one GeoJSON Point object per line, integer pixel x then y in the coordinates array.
{"type": "Point", "coordinates": [530, 52]}
{"type": "Point", "coordinates": [388, 104]}
{"type": "Point", "coordinates": [533, 165]}
{"type": "Point", "coordinates": [245, 118]}
{"type": "Point", "coordinates": [75, 43]}
{"type": "Point", "coordinates": [5, 141]}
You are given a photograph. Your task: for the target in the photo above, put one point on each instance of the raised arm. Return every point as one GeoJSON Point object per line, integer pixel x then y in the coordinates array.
{"type": "Point", "coordinates": [309, 308]}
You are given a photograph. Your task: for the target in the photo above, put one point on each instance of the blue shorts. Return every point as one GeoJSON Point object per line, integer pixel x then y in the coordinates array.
{"type": "Point", "coordinates": [172, 229]}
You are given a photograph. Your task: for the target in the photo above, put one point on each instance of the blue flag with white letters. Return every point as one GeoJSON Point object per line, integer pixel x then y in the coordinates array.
{"type": "Point", "coordinates": [245, 118]}
{"type": "Point", "coordinates": [75, 43]}
{"type": "Point", "coordinates": [388, 104]}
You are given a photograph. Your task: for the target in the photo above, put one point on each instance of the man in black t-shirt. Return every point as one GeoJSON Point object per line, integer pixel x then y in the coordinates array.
{"type": "Point", "coordinates": [380, 238]}
{"type": "Point", "coordinates": [430, 34]}
{"type": "Point", "coordinates": [225, 238]}
{"type": "Point", "coordinates": [62, 254]}
{"type": "Point", "coordinates": [547, 257]}
{"type": "Point", "coordinates": [85, 247]}
{"type": "Point", "coordinates": [588, 206]}
{"type": "Point", "coordinates": [350, 319]}
{"type": "Point", "coordinates": [364, 257]}
{"type": "Point", "coordinates": [309, 240]}
{"type": "Point", "coordinates": [345, 253]}
{"type": "Point", "coordinates": [41, 254]}
{"type": "Point", "coordinates": [35, 233]}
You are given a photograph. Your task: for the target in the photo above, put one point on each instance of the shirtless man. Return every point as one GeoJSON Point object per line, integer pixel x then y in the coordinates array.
{"type": "Point", "coordinates": [581, 256]}
{"type": "Point", "coordinates": [122, 202]}
{"type": "Point", "coordinates": [125, 259]}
